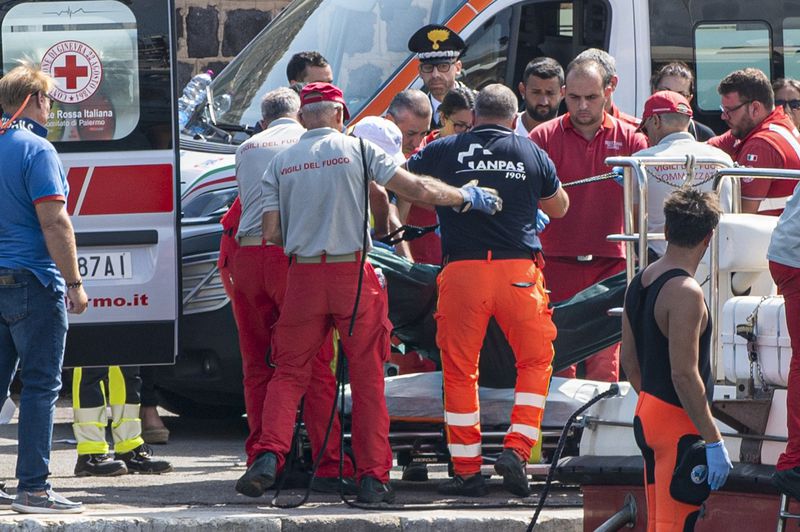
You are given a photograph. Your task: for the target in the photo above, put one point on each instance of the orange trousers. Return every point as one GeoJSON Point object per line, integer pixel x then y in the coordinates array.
{"type": "Point", "coordinates": [659, 428]}
{"type": "Point", "coordinates": [470, 292]}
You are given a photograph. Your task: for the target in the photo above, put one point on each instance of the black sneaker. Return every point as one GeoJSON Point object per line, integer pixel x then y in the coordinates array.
{"type": "Point", "coordinates": [788, 482]}
{"type": "Point", "coordinates": [416, 472]}
{"type": "Point", "coordinates": [259, 476]}
{"type": "Point", "coordinates": [140, 460]}
{"type": "Point", "coordinates": [331, 485]}
{"type": "Point", "coordinates": [371, 490]}
{"type": "Point", "coordinates": [512, 468]}
{"type": "Point", "coordinates": [99, 465]}
{"type": "Point", "coordinates": [474, 486]}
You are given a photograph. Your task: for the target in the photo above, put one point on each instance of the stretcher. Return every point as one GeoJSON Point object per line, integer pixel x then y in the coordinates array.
{"type": "Point", "coordinates": [415, 401]}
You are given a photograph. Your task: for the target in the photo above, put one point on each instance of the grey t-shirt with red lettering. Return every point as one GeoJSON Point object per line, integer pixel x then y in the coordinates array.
{"type": "Point", "coordinates": [318, 187]}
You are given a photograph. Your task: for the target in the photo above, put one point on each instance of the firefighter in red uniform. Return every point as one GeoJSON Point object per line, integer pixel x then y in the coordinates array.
{"type": "Point", "coordinates": [258, 272]}
{"type": "Point", "coordinates": [578, 254]}
{"type": "Point", "coordinates": [313, 205]}
{"type": "Point", "coordinates": [765, 138]}
{"type": "Point", "coordinates": [491, 269]}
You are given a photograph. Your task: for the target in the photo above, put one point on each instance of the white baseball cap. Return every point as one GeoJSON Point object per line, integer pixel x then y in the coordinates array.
{"type": "Point", "coordinates": [383, 133]}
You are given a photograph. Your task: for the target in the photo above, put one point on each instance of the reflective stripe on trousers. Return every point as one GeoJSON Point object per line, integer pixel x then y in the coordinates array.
{"type": "Point", "coordinates": [512, 291]}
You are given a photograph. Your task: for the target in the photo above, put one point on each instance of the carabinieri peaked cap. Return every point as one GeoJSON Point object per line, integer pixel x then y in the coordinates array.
{"type": "Point", "coordinates": [435, 43]}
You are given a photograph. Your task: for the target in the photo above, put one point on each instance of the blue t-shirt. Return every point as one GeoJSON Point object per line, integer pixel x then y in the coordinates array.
{"type": "Point", "coordinates": [31, 172]}
{"type": "Point", "coordinates": [520, 171]}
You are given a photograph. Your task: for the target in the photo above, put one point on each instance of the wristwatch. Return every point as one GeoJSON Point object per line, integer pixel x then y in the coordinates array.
{"type": "Point", "coordinates": [75, 284]}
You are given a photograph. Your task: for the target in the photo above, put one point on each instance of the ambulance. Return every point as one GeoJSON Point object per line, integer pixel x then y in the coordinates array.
{"type": "Point", "coordinates": [112, 122]}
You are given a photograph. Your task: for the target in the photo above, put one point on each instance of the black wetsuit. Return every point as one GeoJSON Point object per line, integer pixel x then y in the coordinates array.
{"type": "Point", "coordinates": [661, 426]}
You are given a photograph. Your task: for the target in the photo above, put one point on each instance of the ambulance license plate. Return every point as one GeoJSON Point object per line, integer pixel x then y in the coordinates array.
{"type": "Point", "coordinates": [105, 265]}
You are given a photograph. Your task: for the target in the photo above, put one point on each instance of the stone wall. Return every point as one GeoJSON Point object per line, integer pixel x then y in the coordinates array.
{"type": "Point", "coordinates": [212, 32]}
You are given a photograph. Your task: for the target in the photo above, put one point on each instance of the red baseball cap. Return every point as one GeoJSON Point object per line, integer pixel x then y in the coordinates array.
{"type": "Point", "coordinates": [323, 92]}
{"type": "Point", "coordinates": [665, 102]}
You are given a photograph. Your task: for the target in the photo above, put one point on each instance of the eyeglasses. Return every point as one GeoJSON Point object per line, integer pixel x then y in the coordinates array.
{"type": "Point", "coordinates": [728, 112]}
{"type": "Point", "coordinates": [441, 67]}
{"type": "Point", "coordinates": [686, 95]}
{"type": "Point", "coordinates": [794, 105]}
{"type": "Point", "coordinates": [460, 127]}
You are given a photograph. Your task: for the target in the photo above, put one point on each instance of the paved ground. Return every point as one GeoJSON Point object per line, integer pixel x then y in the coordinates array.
{"type": "Point", "coordinates": [198, 495]}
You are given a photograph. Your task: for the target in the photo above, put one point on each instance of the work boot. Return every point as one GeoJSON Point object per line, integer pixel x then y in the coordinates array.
{"type": "Point", "coordinates": [512, 468]}
{"type": "Point", "coordinates": [474, 486]}
{"type": "Point", "coordinates": [371, 490]}
{"type": "Point", "coordinates": [416, 472]}
{"type": "Point", "coordinates": [788, 482]}
{"type": "Point", "coordinates": [331, 485]}
{"type": "Point", "coordinates": [99, 465]}
{"type": "Point", "coordinates": [140, 460]}
{"type": "Point", "coordinates": [259, 476]}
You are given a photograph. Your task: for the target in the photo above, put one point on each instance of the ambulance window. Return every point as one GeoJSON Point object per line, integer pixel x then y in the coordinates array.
{"type": "Point", "coordinates": [721, 48]}
{"type": "Point", "coordinates": [487, 52]}
{"type": "Point", "coordinates": [90, 48]}
{"type": "Point", "coordinates": [791, 47]}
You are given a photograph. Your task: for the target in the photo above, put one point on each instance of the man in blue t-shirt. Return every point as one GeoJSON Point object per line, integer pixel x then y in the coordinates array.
{"type": "Point", "coordinates": [39, 279]}
{"type": "Point", "coordinates": [492, 268]}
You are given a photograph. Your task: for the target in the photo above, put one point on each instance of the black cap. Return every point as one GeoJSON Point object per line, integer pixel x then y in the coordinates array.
{"type": "Point", "coordinates": [435, 43]}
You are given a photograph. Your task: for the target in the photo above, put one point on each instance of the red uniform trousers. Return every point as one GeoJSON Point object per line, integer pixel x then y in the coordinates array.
{"type": "Point", "coordinates": [470, 292]}
{"type": "Point", "coordinates": [659, 427]}
{"type": "Point", "coordinates": [788, 281]}
{"type": "Point", "coordinates": [318, 297]}
{"type": "Point", "coordinates": [566, 276]}
{"type": "Point", "coordinates": [259, 274]}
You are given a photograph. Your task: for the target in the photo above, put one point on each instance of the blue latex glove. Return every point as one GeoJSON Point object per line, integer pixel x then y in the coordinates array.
{"type": "Point", "coordinates": [620, 179]}
{"type": "Point", "coordinates": [719, 464]}
{"type": "Point", "coordinates": [480, 199]}
{"type": "Point", "coordinates": [541, 220]}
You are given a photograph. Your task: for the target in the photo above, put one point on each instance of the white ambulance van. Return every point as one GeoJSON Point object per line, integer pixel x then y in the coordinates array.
{"type": "Point", "coordinates": [112, 122]}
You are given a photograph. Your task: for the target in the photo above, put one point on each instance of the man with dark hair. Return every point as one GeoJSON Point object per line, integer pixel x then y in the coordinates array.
{"type": "Point", "coordinates": [439, 50]}
{"type": "Point", "coordinates": [493, 269]}
{"type": "Point", "coordinates": [765, 137]}
{"type": "Point", "coordinates": [609, 64]}
{"type": "Point", "coordinates": [306, 67]}
{"type": "Point", "coordinates": [578, 253]}
{"type": "Point", "coordinates": [542, 89]}
{"type": "Point", "coordinates": [666, 354]}
{"type": "Point", "coordinates": [678, 77]}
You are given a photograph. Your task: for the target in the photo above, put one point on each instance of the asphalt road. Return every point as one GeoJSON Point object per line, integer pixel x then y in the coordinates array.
{"type": "Point", "coordinates": [208, 457]}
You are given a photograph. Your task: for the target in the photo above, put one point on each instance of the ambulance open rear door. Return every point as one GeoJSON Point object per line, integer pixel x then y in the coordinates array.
{"type": "Point", "coordinates": [112, 124]}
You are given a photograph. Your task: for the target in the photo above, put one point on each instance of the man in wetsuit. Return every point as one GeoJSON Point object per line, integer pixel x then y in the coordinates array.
{"type": "Point", "coordinates": [666, 333]}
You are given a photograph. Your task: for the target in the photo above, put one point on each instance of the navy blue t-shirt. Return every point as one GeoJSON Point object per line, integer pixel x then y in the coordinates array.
{"type": "Point", "coordinates": [520, 171]}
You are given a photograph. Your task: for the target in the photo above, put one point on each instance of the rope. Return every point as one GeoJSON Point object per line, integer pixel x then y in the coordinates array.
{"type": "Point", "coordinates": [593, 179]}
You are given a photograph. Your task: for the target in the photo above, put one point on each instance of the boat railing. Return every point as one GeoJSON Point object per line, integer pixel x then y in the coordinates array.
{"type": "Point", "coordinates": [635, 174]}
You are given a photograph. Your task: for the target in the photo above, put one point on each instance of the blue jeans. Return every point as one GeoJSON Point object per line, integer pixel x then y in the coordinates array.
{"type": "Point", "coordinates": [33, 329]}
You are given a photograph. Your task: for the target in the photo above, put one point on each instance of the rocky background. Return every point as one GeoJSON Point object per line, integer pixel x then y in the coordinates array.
{"type": "Point", "coordinates": [212, 32]}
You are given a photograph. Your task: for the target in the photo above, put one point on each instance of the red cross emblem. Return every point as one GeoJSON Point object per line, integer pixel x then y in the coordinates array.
{"type": "Point", "coordinates": [71, 71]}
{"type": "Point", "coordinates": [76, 68]}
